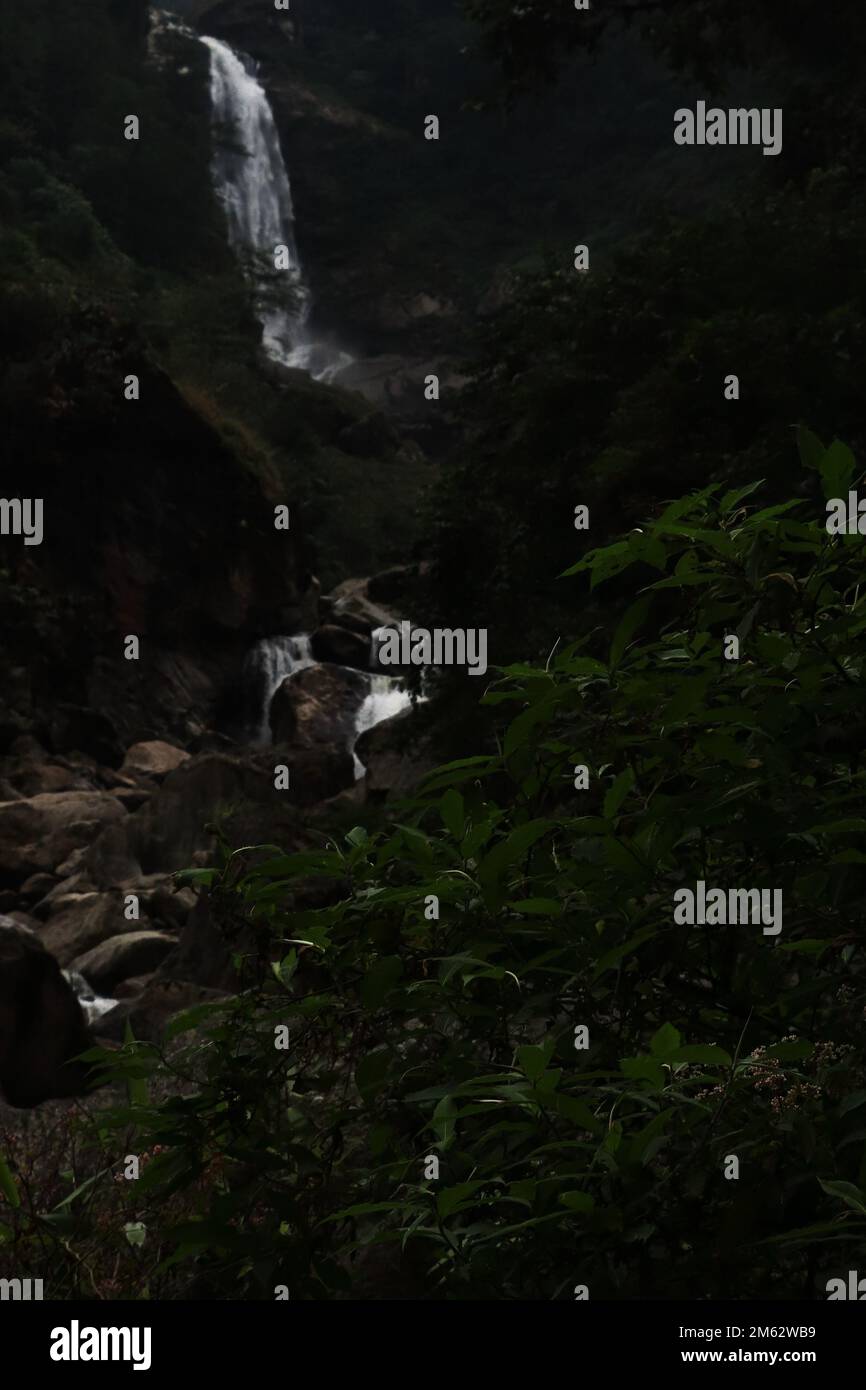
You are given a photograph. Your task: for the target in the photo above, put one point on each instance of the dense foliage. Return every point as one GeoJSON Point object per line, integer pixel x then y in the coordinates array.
{"type": "Point", "coordinates": [417, 1032]}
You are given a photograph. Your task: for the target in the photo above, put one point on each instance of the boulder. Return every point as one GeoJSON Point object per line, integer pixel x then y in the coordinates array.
{"type": "Point", "coordinates": [85, 920]}
{"type": "Point", "coordinates": [122, 957]}
{"type": "Point", "coordinates": [153, 1007]}
{"type": "Point", "coordinates": [202, 955]}
{"type": "Point", "coordinates": [239, 794]}
{"type": "Point", "coordinates": [358, 604]}
{"type": "Point", "coordinates": [396, 755]}
{"type": "Point", "coordinates": [36, 887]}
{"type": "Point", "coordinates": [132, 799]}
{"type": "Point", "coordinates": [111, 860]}
{"type": "Point", "coordinates": [38, 833]}
{"type": "Point", "coordinates": [31, 779]}
{"type": "Point", "coordinates": [353, 621]}
{"type": "Point", "coordinates": [341, 645]}
{"type": "Point", "coordinates": [318, 707]}
{"type": "Point", "coordinates": [154, 759]}
{"type": "Point", "coordinates": [42, 1026]}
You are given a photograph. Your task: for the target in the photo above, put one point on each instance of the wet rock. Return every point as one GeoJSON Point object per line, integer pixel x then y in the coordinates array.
{"type": "Point", "coordinates": [154, 759]}
{"type": "Point", "coordinates": [132, 799]}
{"type": "Point", "coordinates": [37, 886]}
{"type": "Point", "coordinates": [397, 754]}
{"type": "Point", "coordinates": [239, 793]}
{"type": "Point", "coordinates": [150, 1011]}
{"type": "Point", "coordinates": [42, 1026]}
{"type": "Point", "coordinates": [85, 922]}
{"type": "Point", "coordinates": [341, 645]}
{"type": "Point", "coordinates": [317, 708]}
{"type": "Point", "coordinates": [40, 832]}
{"type": "Point", "coordinates": [121, 957]}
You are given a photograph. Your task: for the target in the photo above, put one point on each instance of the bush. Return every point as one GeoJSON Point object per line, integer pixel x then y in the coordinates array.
{"type": "Point", "coordinates": [433, 1097]}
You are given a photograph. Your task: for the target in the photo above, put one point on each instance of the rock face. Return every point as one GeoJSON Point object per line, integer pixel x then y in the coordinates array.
{"type": "Point", "coordinates": [172, 540]}
{"type": "Point", "coordinates": [42, 1026]}
{"type": "Point", "coordinates": [82, 921]}
{"type": "Point", "coordinates": [396, 753]}
{"type": "Point", "coordinates": [122, 957]}
{"type": "Point", "coordinates": [317, 708]}
{"type": "Point", "coordinates": [352, 599]}
{"type": "Point", "coordinates": [155, 759]}
{"type": "Point", "coordinates": [341, 645]}
{"type": "Point", "coordinates": [37, 833]}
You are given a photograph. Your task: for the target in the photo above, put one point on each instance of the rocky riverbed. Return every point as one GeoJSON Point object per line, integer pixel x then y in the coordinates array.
{"type": "Point", "coordinates": [94, 929]}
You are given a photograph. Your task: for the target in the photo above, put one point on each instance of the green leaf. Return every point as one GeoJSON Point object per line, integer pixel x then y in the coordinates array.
{"type": "Point", "coordinates": [847, 1193]}
{"type": "Point", "coordinates": [202, 878]}
{"type": "Point", "coordinates": [577, 1201]}
{"type": "Point", "coordinates": [519, 730]}
{"type": "Point", "coordinates": [732, 499]}
{"type": "Point", "coordinates": [810, 448]}
{"type": "Point", "coordinates": [537, 907]}
{"type": "Point", "coordinates": [665, 1040]}
{"type": "Point", "coordinates": [284, 969]}
{"type": "Point", "coordinates": [617, 794]}
{"type": "Point", "coordinates": [380, 980]}
{"type": "Point", "coordinates": [533, 1060]}
{"type": "Point", "coordinates": [512, 848]}
{"type": "Point", "coordinates": [837, 470]}
{"type": "Point", "coordinates": [190, 1018]}
{"type": "Point", "coordinates": [643, 1069]}
{"type": "Point", "coordinates": [451, 809]}
{"type": "Point", "coordinates": [135, 1232]}
{"type": "Point", "coordinates": [631, 621]}
{"type": "Point", "coordinates": [452, 1199]}
{"type": "Point", "coordinates": [372, 1071]}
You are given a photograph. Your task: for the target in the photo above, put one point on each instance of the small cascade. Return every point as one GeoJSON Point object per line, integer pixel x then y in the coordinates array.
{"type": "Point", "coordinates": [265, 667]}
{"type": "Point", "coordinates": [93, 1005]}
{"type": "Point", "coordinates": [273, 658]}
{"type": "Point", "coordinates": [387, 697]}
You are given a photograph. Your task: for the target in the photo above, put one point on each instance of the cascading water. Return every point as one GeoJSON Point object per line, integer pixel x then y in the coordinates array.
{"type": "Point", "coordinates": [252, 183]}
{"type": "Point", "coordinates": [266, 665]}
{"type": "Point", "coordinates": [93, 1005]}
{"type": "Point", "coordinates": [386, 698]}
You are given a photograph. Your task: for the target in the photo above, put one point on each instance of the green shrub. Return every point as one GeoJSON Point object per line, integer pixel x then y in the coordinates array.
{"type": "Point", "coordinates": [412, 1037]}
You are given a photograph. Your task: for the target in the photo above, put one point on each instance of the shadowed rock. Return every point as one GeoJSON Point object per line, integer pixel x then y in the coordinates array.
{"type": "Point", "coordinates": [42, 1026]}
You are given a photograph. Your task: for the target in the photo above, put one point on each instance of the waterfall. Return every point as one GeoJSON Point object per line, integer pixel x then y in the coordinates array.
{"type": "Point", "coordinates": [386, 698]}
{"type": "Point", "coordinates": [93, 1005]}
{"type": "Point", "coordinates": [253, 186]}
{"type": "Point", "coordinates": [265, 666]}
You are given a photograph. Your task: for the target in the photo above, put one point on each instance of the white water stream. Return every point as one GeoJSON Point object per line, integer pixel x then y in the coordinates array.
{"type": "Point", "coordinates": [273, 658]}
{"type": "Point", "coordinates": [252, 183]}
